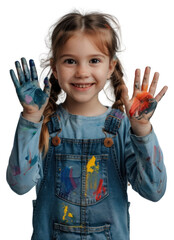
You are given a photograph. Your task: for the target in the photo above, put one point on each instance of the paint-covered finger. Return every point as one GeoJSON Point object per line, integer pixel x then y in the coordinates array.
{"type": "Point", "coordinates": [25, 69]}
{"type": "Point", "coordinates": [14, 79]}
{"type": "Point", "coordinates": [161, 93]}
{"type": "Point", "coordinates": [33, 70]}
{"type": "Point", "coordinates": [154, 83]}
{"type": "Point", "coordinates": [136, 82]}
{"type": "Point", "coordinates": [145, 82]}
{"type": "Point", "coordinates": [47, 87]}
{"type": "Point", "coordinates": [20, 72]}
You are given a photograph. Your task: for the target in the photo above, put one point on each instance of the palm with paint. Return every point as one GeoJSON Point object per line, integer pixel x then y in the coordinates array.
{"type": "Point", "coordinates": [142, 105]}
{"type": "Point", "coordinates": [30, 95]}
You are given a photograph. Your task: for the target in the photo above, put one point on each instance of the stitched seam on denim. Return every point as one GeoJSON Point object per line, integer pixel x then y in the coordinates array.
{"type": "Point", "coordinates": [82, 141]}
{"type": "Point", "coordinates": [45, 167]}
{"type": "Point", "coordinates": [80, 157]}
{"type": "Point", "coordinates": [81, 229]}
{"type": "Point", "coordinates": [113, 121]}
{"type": "Point", "coordinates": [54, 124]}
{"type": "Point", "coordinates": [107, 234]}
{"type": "Point", "coordinates": [112, 124]}
{"type": "Point", "coordinates": [123, 187]}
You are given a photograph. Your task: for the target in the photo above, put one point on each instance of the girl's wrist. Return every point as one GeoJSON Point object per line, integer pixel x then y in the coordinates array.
{"type": "Point", "coordinates": [34, 117]}
{"type": "Point", "coordinates": [141, 129]}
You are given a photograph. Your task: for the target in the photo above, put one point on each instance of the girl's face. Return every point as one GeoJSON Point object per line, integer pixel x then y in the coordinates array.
{"type": "Point", "coordinates": [82, 69]}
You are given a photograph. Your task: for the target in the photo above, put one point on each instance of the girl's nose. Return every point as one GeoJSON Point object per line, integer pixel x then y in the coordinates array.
{"type": "Point", "coordinates": [82, 71]}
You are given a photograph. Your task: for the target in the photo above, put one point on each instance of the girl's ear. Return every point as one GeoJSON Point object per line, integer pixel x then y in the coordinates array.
{"type": "Point", "coordinates": [53, 68]}
{"type": "Point", "coordinates": [112, 65]}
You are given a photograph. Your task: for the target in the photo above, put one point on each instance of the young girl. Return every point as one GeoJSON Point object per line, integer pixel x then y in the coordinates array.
{"type": "Point", "coordinates": [80, 154]}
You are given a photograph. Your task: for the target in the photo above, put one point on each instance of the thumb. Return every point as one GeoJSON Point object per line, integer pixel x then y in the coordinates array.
{"type": "Point", "coordinates": [47, 87]}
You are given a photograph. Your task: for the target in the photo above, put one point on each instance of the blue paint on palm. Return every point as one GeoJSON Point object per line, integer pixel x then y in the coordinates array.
{"type": "Point", "coordinates": [27, 87]}
{"type": "Point", "coordinates": [39, 97]}
{"type": "Point", "coordinates": [31, 94]}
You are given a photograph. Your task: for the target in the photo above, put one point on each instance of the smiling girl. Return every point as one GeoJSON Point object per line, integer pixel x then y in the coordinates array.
{"type": "Point", "coordinates": [81, 154]}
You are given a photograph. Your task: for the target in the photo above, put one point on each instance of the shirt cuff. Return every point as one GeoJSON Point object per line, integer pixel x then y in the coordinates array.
{"type": "Point", "coordinates": [142, 139]}
{"type": "Point", "coordinates": [26, 123]}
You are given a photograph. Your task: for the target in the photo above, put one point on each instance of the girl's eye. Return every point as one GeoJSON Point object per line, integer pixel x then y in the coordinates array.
{"type": "Point", "coordinates": [70, 61]}
{"type": "Point", "coordinates": [94, 60]}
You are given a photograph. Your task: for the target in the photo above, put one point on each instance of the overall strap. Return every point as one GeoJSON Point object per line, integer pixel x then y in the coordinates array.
{"type": "Point", "coordinates": [111, 125]}
{"type": "Point", "coordinates": [53, 124]}
{"type": "Point", "coordinates": [113, 121]}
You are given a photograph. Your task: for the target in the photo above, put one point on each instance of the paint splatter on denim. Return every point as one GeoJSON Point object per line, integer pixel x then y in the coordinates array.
{"type": "Point", "coordinates": [82, 182]}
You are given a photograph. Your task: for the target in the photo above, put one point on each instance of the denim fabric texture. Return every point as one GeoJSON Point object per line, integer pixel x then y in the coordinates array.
{"type": "Point", "coordinates": [82, 182]}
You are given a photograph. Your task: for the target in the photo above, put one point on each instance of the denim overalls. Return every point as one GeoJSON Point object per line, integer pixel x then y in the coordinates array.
{"type": "Point", "coordinates": [83, 194]}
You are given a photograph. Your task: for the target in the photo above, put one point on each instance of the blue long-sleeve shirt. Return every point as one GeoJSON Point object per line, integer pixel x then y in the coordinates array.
{"type": "Point", "coordinates": [147, 175]}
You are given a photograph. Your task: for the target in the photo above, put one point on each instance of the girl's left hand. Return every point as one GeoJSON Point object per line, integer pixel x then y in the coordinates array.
{"type": "Point", "coordinates": [142, 105]}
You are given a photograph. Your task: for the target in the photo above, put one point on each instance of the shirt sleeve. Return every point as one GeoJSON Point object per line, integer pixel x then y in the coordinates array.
{"type": "Point", "coordinates": [25, 162]}
{"type": "Point", "coordinates": [145, 166]}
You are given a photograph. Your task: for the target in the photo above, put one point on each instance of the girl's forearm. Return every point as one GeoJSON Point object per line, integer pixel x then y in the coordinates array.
{"type": "Point", "coordinates": [24, 166]}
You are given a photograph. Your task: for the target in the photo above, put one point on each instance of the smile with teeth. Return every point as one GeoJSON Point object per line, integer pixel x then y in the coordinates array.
{"type": "Point", "coordinates": [87, 85]}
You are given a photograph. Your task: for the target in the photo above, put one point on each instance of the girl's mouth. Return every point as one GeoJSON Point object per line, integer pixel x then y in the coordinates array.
{"type": "Point", "coordinates": [82, 86]}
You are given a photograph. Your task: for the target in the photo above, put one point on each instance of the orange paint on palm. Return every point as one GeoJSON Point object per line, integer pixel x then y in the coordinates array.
{"type": "Point", "coordinates": [140, 103]}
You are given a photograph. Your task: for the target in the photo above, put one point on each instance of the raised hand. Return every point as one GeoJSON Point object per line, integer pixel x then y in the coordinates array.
{"type": "Point", "coordinates": [142, 105]}
{"type": "Point", "coordinates": [31, 96]}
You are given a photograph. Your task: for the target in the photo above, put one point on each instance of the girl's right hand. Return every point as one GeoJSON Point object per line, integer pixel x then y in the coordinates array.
{"type": "Point", "coordinates": [30, 95]}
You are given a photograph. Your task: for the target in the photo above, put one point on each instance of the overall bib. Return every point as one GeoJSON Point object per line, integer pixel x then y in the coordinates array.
{"type": "Point", "coordinates": [83, 194]}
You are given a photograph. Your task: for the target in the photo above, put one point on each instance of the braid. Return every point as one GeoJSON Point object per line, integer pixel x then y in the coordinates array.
{"type": "Point", "coordinates": [49, 110]}
{"type": "Point", "coordinates": [117, 82]}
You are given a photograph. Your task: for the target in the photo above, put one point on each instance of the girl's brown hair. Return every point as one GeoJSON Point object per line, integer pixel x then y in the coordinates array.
{"type": "Point", "coordinates": [102, 28]}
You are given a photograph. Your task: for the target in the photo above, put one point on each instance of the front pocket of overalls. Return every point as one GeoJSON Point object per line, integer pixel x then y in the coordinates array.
{"type": "Point", "coordinates": [64, 232]}
{"type": "Point", "coordinates": [82, 179]}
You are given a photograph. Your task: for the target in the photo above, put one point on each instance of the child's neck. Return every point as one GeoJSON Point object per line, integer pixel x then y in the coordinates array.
{"type": "Point", "coordinates": [85, 109]}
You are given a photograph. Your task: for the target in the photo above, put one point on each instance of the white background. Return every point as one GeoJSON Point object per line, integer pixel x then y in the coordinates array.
{"type": "Point", "coordinates": [148, 40]}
